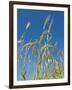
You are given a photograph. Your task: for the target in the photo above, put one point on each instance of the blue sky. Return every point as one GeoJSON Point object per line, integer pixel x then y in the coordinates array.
{"type": "Point", "coordinates": [37, 18]}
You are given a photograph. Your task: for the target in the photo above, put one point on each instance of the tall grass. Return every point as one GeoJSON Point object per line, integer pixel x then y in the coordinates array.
{"type": "Point", "coordinates": [46, 66]}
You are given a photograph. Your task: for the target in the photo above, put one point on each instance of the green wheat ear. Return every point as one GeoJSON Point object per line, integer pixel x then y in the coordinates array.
{"type": "Point", "coordinates": [28, 25]}
{"type": "Point", "coordinates": [50, 25]}
{"type": "Point", "coordinates": [46, 21]}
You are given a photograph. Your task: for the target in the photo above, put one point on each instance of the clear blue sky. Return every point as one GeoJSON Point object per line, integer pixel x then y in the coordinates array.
{"type": "Point", "coordinates": [37, 18]}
